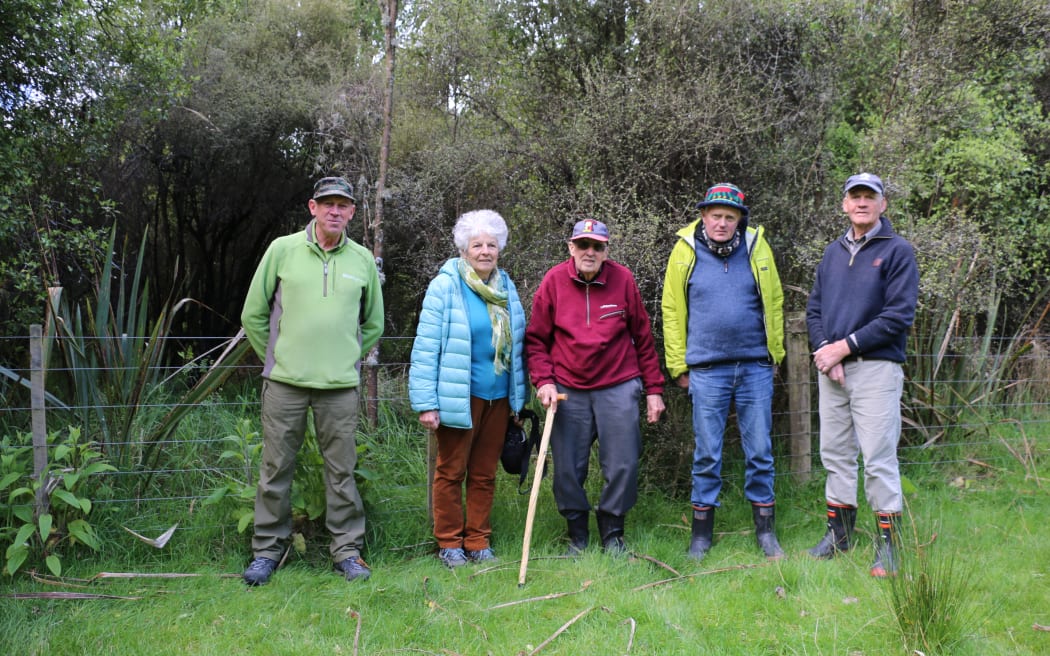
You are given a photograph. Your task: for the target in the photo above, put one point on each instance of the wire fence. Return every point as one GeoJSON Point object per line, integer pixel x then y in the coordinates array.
{"type": "Point", "coordinates": [947, 422]}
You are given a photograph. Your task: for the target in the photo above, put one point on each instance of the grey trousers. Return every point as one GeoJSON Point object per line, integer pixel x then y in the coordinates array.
{"type": "Point", "coordinates": [863, 417]}
{"type": "Point", "coordinates": [284, 413]}
{"type": "Point", "coordinates": [609, 415]}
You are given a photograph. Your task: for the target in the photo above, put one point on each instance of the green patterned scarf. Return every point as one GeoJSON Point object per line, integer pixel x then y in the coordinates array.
{"type": "Point", "coordinates": [495, 296]}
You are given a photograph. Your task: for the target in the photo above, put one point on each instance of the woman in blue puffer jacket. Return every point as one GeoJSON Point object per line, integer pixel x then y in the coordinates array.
{"type": "Point", "coordinates": [467, 377]}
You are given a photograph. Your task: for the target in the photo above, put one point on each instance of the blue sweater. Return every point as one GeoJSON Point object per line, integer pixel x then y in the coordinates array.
{"type": "Point", "coordinates": [868, 299]}
{"type": "Point", "coordinates": [725, 310]}
{"type": "Point", "coordinates": [439, 376]}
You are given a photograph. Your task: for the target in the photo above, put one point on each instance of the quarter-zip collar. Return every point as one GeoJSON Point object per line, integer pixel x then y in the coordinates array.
{"type": "Point", "coordinates": [884, 230]}
{"type": "Point", "coordinates": [599, 279]}
{"type": "Point", "coordinates": [326, 256]}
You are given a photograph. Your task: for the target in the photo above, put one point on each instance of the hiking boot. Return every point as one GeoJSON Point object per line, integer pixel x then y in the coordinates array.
{"type": "Point", "coordinates": [353, 568]}
{"type": "Point", "coordinates": [481, 555]}
{"type": "Point", "coordinates": [259, 571]}
{"type": "Point", "coordinates": [453, 557]}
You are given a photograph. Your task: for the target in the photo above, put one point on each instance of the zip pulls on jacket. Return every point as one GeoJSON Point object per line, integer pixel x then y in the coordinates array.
{"type": "Point", "coordinates": [587, 293]}
{"type": "Point", "coordinates": [866, 240]}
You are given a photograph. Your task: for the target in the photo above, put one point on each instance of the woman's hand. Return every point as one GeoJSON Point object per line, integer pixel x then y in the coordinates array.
{"type": "Point", "coordinates": [430, 419]}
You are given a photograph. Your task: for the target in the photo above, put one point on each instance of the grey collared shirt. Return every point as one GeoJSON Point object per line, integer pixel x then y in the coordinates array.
{"type": "Point", "coordinates": [856, 244]}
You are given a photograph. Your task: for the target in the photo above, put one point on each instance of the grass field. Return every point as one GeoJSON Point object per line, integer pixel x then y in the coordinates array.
{"type": "Point", "coordinates": [977, 535]}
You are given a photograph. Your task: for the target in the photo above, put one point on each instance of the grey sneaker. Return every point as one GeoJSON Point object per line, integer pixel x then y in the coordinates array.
{"type": "Point", "coordinates": [453, 557]}
{"type": "Point", "coordinates": [259, 571]}
{"type": "Point", "coordinates": [481, 555]}
{"type": "Point", "coordinates": [353, 568]}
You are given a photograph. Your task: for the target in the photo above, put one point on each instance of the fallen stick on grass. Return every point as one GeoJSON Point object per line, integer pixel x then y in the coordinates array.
{"type": "Point", "coordinates": [690, 576]}
{"type": "Point", "coordinates": [630, 636]}
{"type": "Point", "coordinates": [357, 632]}
{"type": "Point", "coordinates": [657, 562]}
{"type": "Point", "coordinates": [553, 595]}
{"type": "Point", "coordinates": [515, 563]}
{"type": "Point", "coordinates": [561, 630]}
{"type": "Point", "coordinates": [65, 595]}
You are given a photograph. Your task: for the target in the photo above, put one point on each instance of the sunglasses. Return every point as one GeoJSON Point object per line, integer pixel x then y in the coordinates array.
{"type": "Point", "coordinates": [584, 245]}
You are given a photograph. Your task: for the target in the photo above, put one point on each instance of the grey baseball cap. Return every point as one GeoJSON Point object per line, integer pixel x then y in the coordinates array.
{"type": "Point", "coordinates": [869, 180]}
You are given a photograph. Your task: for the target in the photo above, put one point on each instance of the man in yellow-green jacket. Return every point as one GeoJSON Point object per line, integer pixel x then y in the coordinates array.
{"type": "Point", "coordinates": [723, 319]}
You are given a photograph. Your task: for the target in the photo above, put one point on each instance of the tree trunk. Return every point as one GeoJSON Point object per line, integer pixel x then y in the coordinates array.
{"type": "Point", "coordinates": [389, 11]}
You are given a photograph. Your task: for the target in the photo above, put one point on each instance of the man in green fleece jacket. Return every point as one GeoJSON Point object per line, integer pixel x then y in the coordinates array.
{"type": "Point", "coordinates": [313, 308]}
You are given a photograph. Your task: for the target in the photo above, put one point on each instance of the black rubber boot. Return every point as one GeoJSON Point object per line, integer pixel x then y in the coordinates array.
{"type": "Point", "coordinates": [765, 530]}
{"type": "Point", "coordinates": [579, 533]}
{"type": "Point", "coordinates": [841, 520]}
{"type": "Point", "coordinates": [886, 545]}
{"type": "Point", "coordinates": [610, 528]}
{"type": "Point", "coordinates": [703, 531]}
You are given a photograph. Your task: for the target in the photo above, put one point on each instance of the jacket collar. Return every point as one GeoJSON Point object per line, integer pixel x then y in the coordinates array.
{"type": "Point", "coordinates": [751, 234]}
{"type": "Point", "coordinates": [603, 273]}
{"type": "Point", "coordinates": [311, 237]}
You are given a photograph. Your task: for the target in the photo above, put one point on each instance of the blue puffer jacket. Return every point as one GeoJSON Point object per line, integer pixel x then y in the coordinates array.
{"type": "Point", "coordinates": [439, 378]}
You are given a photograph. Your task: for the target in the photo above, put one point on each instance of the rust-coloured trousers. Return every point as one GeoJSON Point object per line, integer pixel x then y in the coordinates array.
{"type": "Point", "coordinates": [472, 455]}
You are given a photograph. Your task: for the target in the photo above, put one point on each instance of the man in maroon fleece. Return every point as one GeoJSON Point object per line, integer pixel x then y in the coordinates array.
{"type": "Point", "coordinates": [589, 338]}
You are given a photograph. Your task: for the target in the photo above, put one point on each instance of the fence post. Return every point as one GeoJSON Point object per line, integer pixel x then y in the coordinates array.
{"type": "Point", "coordinates": [798, 386]}
{"type": "Point", "coordinates": [39, 422]}
{"type": "Point", "coordinates": [431, 469]}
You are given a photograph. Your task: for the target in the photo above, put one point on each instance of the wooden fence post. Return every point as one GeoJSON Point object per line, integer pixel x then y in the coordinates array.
{"type": "Point", "coordinates": [39, 423]}
{"type": "Point", "coordinates": [432, 451]}
{"type": "Point", "coordinates": [798, 388]}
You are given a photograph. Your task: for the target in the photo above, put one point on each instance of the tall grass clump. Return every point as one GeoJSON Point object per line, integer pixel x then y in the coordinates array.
{"type": "Point", "coordinates": [932, 601]}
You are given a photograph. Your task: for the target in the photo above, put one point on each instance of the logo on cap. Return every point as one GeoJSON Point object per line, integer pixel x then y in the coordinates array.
{"type": "Point", "coordinates": [590, 229]}
{"type": "Point", "coordinates": [869, 180]}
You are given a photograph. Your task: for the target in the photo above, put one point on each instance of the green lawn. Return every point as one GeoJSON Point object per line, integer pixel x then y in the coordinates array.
{"type": "Point", "coordinates": [992, 520]}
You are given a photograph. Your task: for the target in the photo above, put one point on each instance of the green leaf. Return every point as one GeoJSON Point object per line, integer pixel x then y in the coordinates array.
{"type": "Point", "coordinates": [907, 487]}
{"type": "Point", "coordinates": [8, 479]}
{"type": "Point", "coordinates": [54, 564]}
{"type": "Point", "coordinates": [16, 555]}
{"type": "Point", "coordinates": [366, 474]}
{"type": "Point", "coordinates": [83, 532]}
{"type": "Point", "coordinates": [61, 452]}
{"type": "Point", "coordinates": [67, 498]}
{"type": "Point", "coordinates": [23, 534]}
{"type": "Point", "coordinates": [19, 492]}
{"type": "Point", "coordinates": [246, 520]}
{"type": "Point", "coordinates": [24, 513]}
{"type": "Point", "coordinates": [217, 495]}
{"type": "Point", "coordinates": [70, 480]}
{"type": "Point", "coordinates": [97, 467]}
{"type": "Point", "coordinates": [85, 505]}
{"type": "Point", "coordinates": [44, 523]}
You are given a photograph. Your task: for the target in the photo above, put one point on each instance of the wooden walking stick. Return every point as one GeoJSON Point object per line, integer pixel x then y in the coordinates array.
{"type": "Point", "coordinates": [534, 495]}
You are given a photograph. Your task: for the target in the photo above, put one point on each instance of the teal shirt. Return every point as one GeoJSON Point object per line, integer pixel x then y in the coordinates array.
{"type": "Point", "coordinates": [484, 383]}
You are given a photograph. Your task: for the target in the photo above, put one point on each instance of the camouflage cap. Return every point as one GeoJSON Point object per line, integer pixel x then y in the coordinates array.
{"type": "Point", "coordinates": [333, 187]}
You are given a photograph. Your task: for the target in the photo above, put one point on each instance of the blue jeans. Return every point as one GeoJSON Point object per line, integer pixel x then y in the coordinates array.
{"type": "Point", "coordinates": [712, 388]}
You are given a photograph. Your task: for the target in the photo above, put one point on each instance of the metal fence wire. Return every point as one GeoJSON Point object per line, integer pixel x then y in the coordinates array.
{"type": "Point", "coordinates": [955, 404]}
